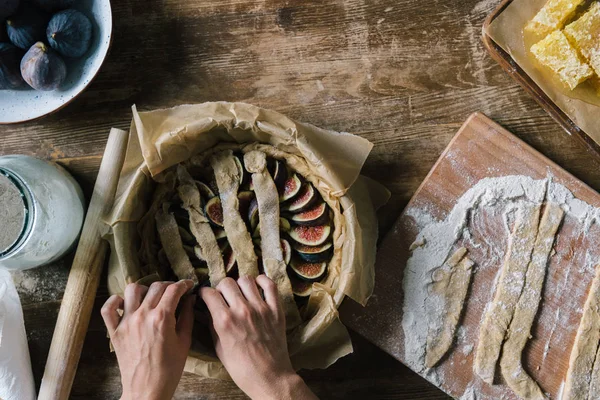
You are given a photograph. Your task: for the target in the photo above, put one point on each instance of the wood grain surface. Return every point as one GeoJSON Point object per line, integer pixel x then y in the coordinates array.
{"type": "Point", "coordinates": [403, 74]}
{"type": "Point", "coordinates": [483, 149]}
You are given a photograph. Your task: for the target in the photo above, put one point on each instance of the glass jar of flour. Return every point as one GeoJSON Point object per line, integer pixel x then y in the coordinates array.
{"type": "Point", "coordinates": [41, 212]}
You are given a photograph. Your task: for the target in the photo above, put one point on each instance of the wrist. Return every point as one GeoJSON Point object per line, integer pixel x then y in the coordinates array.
{"type": "Point", "coordinates": [287, 386]}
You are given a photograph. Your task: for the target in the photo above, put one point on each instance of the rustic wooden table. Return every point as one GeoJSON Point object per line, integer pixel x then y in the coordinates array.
{"type": "Point", "coordinates": [403, 74]}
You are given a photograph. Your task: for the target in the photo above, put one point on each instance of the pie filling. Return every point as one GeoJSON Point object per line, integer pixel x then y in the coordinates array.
{"type": "Point", "coordinates": [239, 214]}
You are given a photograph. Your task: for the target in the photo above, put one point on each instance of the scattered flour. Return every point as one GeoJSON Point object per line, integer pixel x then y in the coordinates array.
{"type": "Point", "coordinates": [437, 240]}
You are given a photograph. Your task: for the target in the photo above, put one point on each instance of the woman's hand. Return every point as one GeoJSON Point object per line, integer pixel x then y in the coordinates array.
{"type": "Point", "coordinates": [150, 341]}
{"type": "Point", "coordinates": [250, 338]}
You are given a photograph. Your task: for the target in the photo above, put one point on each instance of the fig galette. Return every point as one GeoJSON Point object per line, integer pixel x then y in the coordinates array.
{"type": "Point", "coordinates": [239, 210]}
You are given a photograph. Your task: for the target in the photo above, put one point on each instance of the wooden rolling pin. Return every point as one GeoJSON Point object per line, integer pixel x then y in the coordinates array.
{"type": "Point", "coordinates": [80, 293]}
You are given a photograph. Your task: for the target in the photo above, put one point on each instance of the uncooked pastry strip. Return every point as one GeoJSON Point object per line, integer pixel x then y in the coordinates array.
{"type": "Point", "coordinates": [200, 227]}
{"type": "Point", "coordinates": [595, 379]}
{"type": "Point", "coordinates": [451, 282]}
{"type": "Point", "coordinates": [500, 312]}
{"type": "Point", "coordinates": [268, 215]}
{"type": "Point", "coordinates": [227, 176]}
{"type": "Point", "coordinates": [171, 241]}
{"type": "Point", "coordinates": [585, 349]}
{"type": "Point", "coordinates": [520, 327]}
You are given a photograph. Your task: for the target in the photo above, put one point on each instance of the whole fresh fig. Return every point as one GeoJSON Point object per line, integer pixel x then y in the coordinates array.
{"type": "Point", "coordinates": [70, 33]}
{"type": "Point", "coordinates": [42, 68]}
{"type": "Point", "coordinates": [54, 5]}
{"type": "Point", "coordinates": [27, 26]}
{"type": "Point", "coordinates": [10, 74]}
{"type": "Point", "coordinates": [8, 8]}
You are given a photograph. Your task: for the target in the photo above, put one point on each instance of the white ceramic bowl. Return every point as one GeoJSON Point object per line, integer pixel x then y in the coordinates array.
{"type": "Point", "coordinates": [27, 104]}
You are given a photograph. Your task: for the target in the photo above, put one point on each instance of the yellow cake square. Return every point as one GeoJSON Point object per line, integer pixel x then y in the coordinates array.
{"type": "Point", "coordinates": [556, 53]}
{"type": "Point", "coordinates": [584, 35]}
{"type": "Point", "coordinates": [552, 16]}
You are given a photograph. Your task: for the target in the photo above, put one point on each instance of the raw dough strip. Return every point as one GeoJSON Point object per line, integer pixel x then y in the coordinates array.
{"type": "Point", "coordinates": [268, 215]}
{"type": "Point", "coordinates": [500, 312]}
{"type": "Point", "coordinates": [585, 349]}
{"type": "Point", "coordinates": [168, 232]}
{"type": "Point", "coordinates": [200, 227]}
{"type": "Point", "coordinates": [451, 282]}
{"type": "Point", "coordinates": [147, 229]}
{"type": "Point", "coordinates": [227, 176]}
{"type": "Point", "coordinates": [520, 327]}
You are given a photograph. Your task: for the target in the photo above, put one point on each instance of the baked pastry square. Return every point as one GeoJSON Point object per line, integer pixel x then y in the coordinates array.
{"type": "Point", "coordinates": [556, 53]}
{"type": "Point", "coordinates": [552, 16]}
{"type": "Point", "coordinates": [584, 35]}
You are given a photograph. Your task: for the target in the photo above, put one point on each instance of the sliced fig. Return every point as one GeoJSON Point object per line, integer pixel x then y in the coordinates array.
{"type": "Point", "coordinates": [290, 188]}
{"type": "Point", "coordinates": [186, 236]}
{"type": "Point", "coordinates": [314, 254]}
{"type": "Point", "coordinates": [301, 289]}
{"type": "Point", "coordinates": [205, 190]}
{"type": "Point", "coordinates": [214, 211]}
{"type": "Point", "coordinates": [228, 258]}
{"type": "Point", "coordinates": [303, 200]}
{"type": "Point", "coordinates": [201, 274]}
{"type": "Point", "coordinates": [253, 214]}
{"type": "Point", "coordinates": [287, 251]}
{"type": "Point", "coordinates": [220, 233]}
{"type": "Point", "coordinates": [279, 172]}
{"type": "Point", "coordinates": [240, 165]}
{"type": "Point", "coordinates": [308, 271]}
{"type": "Point", "coordinates": [310, 235]}
{"type": "Point", "coordinates": [316, 215]}
{"type": "Point", "coordinates": [284, 225]}
{"type": "Point", "coordinates": [245, 198]}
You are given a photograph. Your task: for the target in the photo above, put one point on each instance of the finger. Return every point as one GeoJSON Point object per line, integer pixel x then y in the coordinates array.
{"type": "Point", "coordinates": [214, 301]}
{"type": "Point", "coordinates": [155, 292]}
{"type": "Point", "coordinates": [110, 313]}
{"type": "Point", "coordinates": [231, 293]}
{"type": "Point", "coordinates": [185, 322]}
{"type": "Point", "coordinates": [271, 294]}
{"type": "Point", "coordinates": [249, 289]}
{"type": "Point", "coordinates": [173, 294]}
{"type": "Point", "coordinates": [134, 294]}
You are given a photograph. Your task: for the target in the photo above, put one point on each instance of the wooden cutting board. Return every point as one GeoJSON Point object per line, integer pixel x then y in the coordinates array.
{"type": "Point", "coordinates": [483, 149]}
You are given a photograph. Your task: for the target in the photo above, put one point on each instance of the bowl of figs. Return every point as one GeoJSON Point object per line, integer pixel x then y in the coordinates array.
{"type": "Point", "coordinates": [50, 50]}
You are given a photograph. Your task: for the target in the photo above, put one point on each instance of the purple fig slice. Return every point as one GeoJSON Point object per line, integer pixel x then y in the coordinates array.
{"type": "Point", "coordinates": [284, 226]}
{"type": "Point", "coordinates": [245, 198]}
{"type": "Point", "coordinates": [290, 188]}
{"type": "Point", "coordinates": [316, 215]}
{"type": "Point", "coordinates": [228, 258]}
{"type": "Point", "coordinates": [287, 251]}
{"type": "Point", "coordinates": [301, 289]}
{"type": "Point", "coordinates": [205, 190]}
{"type": "Point", "coordinates": [253, 214]}
{"type": "Point", "coordinates": [314, 254]}
{"type": "Point", "coordinates": [310, 235]}
{"type": "Point", "coordinates": [220, 233]}
{"type": "Point", "coordinates": [279, 173]}
{"type": "Point", "coordinates": [303, 200]}
{"type": "Point", "coordinates": [214, 211]}
{"type": "Point", "coordinates": [308, 271]}
{"type": "Point", "coordinates": [242, 171]}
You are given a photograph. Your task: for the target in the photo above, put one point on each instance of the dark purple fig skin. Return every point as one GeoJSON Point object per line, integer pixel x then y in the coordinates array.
{"type": "Point", "coordinates": [10, 70]}
{"type": "Point", "coordinates": [70, 33]}
{"type": "Point", "coordinates": [54, 5]}
{"type": "Point", "coordinates": [27, 27]}
{"type": "Point", "coordinates": [8, 8]}
{"type": "Point", "coordinates": [42, 68]}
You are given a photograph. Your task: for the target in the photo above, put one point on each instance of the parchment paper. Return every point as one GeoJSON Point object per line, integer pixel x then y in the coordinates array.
{"type": "Point", "coordinates": [163, 138]}
{"type": "Point", "coordinates": [581, 105]}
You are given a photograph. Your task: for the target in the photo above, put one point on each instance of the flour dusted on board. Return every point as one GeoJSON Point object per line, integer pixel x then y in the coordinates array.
{"type": "Point", "coordinates": [496, 198]}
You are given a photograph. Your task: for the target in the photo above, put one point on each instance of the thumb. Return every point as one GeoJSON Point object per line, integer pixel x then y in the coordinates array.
{"type": "Point", "coordinates": [185, 322]}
